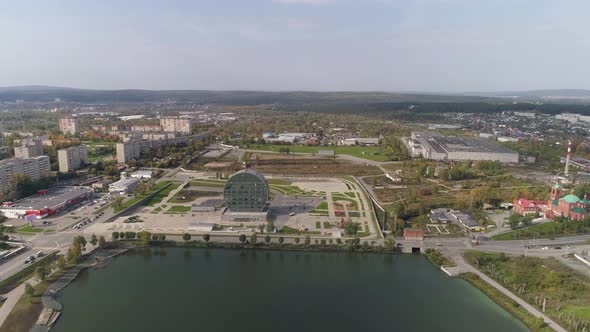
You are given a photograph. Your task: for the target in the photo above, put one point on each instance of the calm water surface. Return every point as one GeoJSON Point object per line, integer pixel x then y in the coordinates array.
{"type": "Point", "coordinates": [177, 289]}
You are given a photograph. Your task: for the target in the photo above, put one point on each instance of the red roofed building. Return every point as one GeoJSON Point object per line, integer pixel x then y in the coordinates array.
{"type": "Point", "coordinates": [413, 234]}
{"type": "Point", "coordinates": [525, 206]}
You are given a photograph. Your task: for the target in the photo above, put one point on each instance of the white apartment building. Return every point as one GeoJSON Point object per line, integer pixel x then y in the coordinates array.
{"type": "Point", "coordinates": [30, 148]}
{"type": "Point", "coordinates": [36, 168]}
{"type": "Point", "coordinates": [72, 158]}
{"type": "Point", "coordinates": [176, 125]}
{"type": "Point", "coordinates": [69, 125]}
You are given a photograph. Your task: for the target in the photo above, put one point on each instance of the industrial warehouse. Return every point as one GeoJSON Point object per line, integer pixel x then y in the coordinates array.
{"type": "Point", "coordinates": [46, 202]}
{"type": "Point", "coordinates": [438, 147]}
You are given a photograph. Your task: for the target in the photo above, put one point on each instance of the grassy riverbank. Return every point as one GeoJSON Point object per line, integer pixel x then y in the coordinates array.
{"type": "Point", "coordinates": [534, 323]}
{"type": "Point", "coordinates": [546, 231]}
{"type": "Point", "coordinates": [436, 258]}
{"type": "Point", "coordinates": [18, 278]}
{"type": "Point", "coordinates": [566, 293]}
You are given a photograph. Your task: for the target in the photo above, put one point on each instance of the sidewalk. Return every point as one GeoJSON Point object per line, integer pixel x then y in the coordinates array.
{"type": "Point", "coordinates": [12, 298]}
{"type": "Point", "coordinates": [462, 265]}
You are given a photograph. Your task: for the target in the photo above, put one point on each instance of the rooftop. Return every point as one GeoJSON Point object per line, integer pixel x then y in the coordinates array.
{"type": "Point", "coordinates": [53, 197]}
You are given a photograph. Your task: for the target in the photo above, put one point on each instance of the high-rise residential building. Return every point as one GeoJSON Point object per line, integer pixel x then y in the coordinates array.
{"type": "Point", "coordinates": [72, 158]}
{"type": "Point", "coordinates": [70, 125]}
{"type": "Point", "coordinates": [128, 151]}
{"type": "Point", "coordinates": [36, 168]}
{"type": "Point", "coordinates": [30, 148]}
{"type": "Point", "coordinates": [133, 149]}
{"type": "Point", "coordinates": [176, 125]}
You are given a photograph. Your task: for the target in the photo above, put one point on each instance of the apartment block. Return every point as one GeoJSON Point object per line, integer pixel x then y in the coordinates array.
{"type": "Point", "coordinates": [72, 158]}
{"type": "Point", "coordinates": [176, 125]}
{"type": "Point", "coordinates": [36, 168]}
{"type": "Point", "coordinates": [30, 148]}
{"type": "Point", "coordinates": [69, 125]}
{"type": "Point", "coordinates": [128, 151]}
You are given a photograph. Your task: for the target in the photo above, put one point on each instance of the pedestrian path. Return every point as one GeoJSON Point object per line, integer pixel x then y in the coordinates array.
{"type": "Point", "coordinates": [12, 298]}
{"type": "Point", "coordinates": [463, 266]}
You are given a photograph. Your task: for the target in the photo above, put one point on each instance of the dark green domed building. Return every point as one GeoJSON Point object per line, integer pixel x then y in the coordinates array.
{"type": "Point", "coordinates": [246, 191]}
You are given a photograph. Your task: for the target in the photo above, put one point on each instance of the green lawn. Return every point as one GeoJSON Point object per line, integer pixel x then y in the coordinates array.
{"type": "Point", "coordinates": [208, 183]}
{"type": "Point", "coordinates": [29, 229]}
{"type": "Point", "coordinates": [370, 153]}
{"type": "Point", "coordinates": [178, 209]}
{"type": "Point", "coordinates": [532, 277]}
{"type": "Point", "coordinates": [322, 206]}
{"type": "Point", "coordinates": [546, 230]}
{"type": "Point", "coordinates": [161, 195]}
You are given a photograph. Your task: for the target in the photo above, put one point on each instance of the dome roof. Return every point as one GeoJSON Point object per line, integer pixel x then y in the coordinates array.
{"type": "Point", "coordinates": [571, 198]}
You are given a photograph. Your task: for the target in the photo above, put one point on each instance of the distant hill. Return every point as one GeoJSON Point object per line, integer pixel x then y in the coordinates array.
{"type": "Point", "coordinates": [48, 94]}
{"type": "Point", "coordinates": [536, 94]}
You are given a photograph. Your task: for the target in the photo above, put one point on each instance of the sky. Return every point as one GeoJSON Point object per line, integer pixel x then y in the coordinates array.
{"type": "Point", "coordinates": [314, 45]}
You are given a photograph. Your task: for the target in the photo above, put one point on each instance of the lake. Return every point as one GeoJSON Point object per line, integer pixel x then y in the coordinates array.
{"type": "Point", "coordinates": [177, 289]}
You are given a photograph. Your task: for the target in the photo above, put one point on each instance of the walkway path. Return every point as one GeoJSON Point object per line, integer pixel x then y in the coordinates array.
{"type": "Point", "coordinates": [331, 212]}
{"type": "Point", "coordinates": [12, 298]}
{"type": "Point", "coordinates": [463, 266]}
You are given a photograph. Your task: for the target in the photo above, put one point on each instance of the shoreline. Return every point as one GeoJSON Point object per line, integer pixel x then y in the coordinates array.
{"type": "Point", "coordinates": [121, 247]}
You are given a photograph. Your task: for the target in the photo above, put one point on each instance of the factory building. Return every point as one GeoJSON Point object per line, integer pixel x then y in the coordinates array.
{"type": "Point", "coordinates": [438, 147]}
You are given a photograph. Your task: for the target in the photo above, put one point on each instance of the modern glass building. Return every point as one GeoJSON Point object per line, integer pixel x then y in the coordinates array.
{"type": "Point", "coordinates": [246, 191]}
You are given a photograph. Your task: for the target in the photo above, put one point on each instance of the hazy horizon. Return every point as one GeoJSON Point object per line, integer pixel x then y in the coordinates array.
{"type": "Point", "coordinates": [420, 46]}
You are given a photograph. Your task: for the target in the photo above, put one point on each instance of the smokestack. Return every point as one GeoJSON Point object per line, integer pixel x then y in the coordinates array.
{"type": "Point", "coordinates": [567, 158]}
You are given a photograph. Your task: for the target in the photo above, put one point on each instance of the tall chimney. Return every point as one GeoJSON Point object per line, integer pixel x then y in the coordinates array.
{"type": "Point", "coordinates": [567, 158]}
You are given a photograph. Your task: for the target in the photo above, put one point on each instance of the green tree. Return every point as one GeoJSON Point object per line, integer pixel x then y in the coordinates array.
{"type": "Point", "coordinates": [60, 264]}
{"type": "Point", "coordinates": [297, 240]}
{"type": "Point", "coordinates": [117, 203]}
{"type": "Point", "coordinates": [93, 240]}
{"type": "Point", "coordinates": [253, 239]}
{"type": "Point", "coordinates": [74, 252]}
{"type": "Point", "coordinates": [307, 241]}
{"type": "Point", "coordinates": [42, 272]}
{"type": "Point", "coordinates": [82, 240]}
{"type": "Point", "coordinates": [242, 238]}
{"type": "Point", "coordinates": [267, 239]}
{"type": "Point", "coordinates": [206, 238]}
{"type": "Point", "coordinates": [281, 240]}
{"type": "Point", "coordinates": [144, 237]}
{"type": "Point", "coordinates": [351, 228]}
{"type": "Point", "coordinates": [389, 243]}
{"type": "Point", "coordinates": [186, 237]}
{"type": "Point", "coordinates": [29, 290]}
{"type": "Point", "coordinates": [270, 226]}
{"type": "Point", "coordinates": [102, 242]}
{"type": "Point", "coordinates": [115, 236]}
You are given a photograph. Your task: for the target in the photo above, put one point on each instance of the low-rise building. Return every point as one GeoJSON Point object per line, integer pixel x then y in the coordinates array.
{"type": "Point", "coordinates": [439, 216]}
{"type": "Point", "coordinates": [413, 234]}
{"type": "Point", "coordinates": [46, 202]}
{"type": "Point", "coordinates": [525, 206]}
{"type": "Point", "coordinates": [124, 186]}
{"type": "Point", "coordinates": [143, 174]}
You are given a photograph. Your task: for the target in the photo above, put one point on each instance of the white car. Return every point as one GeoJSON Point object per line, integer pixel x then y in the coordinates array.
{"type": "Point", "coordinates": [545, 248]}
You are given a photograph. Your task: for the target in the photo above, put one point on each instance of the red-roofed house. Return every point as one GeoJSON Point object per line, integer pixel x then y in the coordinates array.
{"type": "Point", "coordinates": [413, 234]}
{"type": "Point", "coordinates": [525, 206]}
